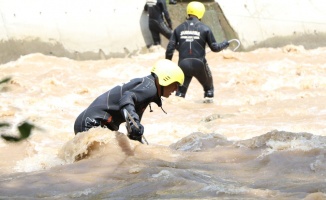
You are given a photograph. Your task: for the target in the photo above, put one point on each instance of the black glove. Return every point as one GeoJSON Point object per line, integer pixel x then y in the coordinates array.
{"type": "Point", "coordinates": [136, 133]}
{"type": "Point", "coordinates": [224, 44]}
{"type": "Point", "coordinates": [169, 24]}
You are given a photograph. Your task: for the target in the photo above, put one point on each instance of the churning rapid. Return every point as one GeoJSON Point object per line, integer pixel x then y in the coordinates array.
{"type": "Point", "coordinates": [263, 137]}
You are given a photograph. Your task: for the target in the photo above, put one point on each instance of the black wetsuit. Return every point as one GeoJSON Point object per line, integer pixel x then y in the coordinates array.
{"type": "Point", "coordinates": [105, 110]}
{"type": "Point", "coordinates": [157, 11]}
{"type": "Point", "coordinates": [190, 39]}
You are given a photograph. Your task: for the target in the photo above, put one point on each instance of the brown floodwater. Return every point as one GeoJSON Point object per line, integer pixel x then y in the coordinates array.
{"type": "Point", "coordinates": [263, 137]}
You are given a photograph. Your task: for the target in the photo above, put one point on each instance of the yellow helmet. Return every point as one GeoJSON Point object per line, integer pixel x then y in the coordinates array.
{"type": "Point", "coordinates": [196, 8]}
{"type": "Point", "coordinates": [168, 72]}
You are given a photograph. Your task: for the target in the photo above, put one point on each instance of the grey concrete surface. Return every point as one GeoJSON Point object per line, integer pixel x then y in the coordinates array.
{"type": "Point", "coordinates": [100, 29]}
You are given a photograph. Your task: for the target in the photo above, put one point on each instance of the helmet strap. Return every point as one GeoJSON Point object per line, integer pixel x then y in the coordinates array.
{"type": "Point", "coordinates": [162, 90]}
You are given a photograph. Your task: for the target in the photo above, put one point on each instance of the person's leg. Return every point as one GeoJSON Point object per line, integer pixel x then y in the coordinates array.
{"type": "Point", "coordinates": [205, 78]}
{"type": "Point", "coordinates": [86, 121]}
{"type": "Point", "coordinates": [78, 126]}
{"type": "Point", "coordinates": [154, 27]}
{"type": "Point", "coordinates": [182, 90]}
{"type": "Point", "coordinates": [187, 68]}
{"type": "Point", "coordinates": [200, 70]}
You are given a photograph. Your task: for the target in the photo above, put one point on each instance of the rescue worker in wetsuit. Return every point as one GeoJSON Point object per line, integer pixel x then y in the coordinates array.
{"type": "Point", "coordinates": [157, 11]}
{"type": "Point", "coordinates": [134, 96]}
{"type": "Point", "coordinates": [190, 39]}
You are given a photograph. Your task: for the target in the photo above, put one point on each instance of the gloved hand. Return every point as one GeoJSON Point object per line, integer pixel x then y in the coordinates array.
{"type": "Point", "coordinates": [136, 133]}
{"type": "Point", "coordinates": [170, 26]}
{"type": "Point", "coordinates": [224, 44]}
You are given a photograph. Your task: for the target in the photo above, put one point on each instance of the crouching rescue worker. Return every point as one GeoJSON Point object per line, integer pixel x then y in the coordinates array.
{"type": "Point", "coordinates": [107, 110]}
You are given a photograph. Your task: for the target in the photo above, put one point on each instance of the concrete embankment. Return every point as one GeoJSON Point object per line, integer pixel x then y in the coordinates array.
{"type": "Point", "coordinates": [278, 22]}
{"type": "Point", "coordinates": [101, 29]}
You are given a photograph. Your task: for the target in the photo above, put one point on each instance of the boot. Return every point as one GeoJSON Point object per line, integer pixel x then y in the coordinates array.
{"type": "Point", "coordinates": [209, 96]}
{"type": "Point", "coordinates": [172, 2]}
{"type": "Point", "coordinates": [209, 93]}
{"type": "Point", "coordinates": [179, 94]}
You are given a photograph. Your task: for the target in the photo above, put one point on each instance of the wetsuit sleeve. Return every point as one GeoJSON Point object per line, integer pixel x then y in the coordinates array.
{"type": "Point", "coordinates": [131, 110]}
{"type": "Point", "coordinates": [172, 45]}
{"type": "Point", "coordinates": [166, 14]}
{"type": "Point", "coordinates": [136, 95]}
{"type": "Point", "coordinates": [128, 102]}
{"type": "Point", "coordinates": [213, 45]}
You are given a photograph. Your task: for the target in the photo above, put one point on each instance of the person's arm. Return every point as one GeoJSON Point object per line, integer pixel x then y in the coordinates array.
{"type": "Point", "coordinates": [137, 92]}
{"type": "Point", "coordinates": [171, 46]}
{"type": "Point", "coordinates": [213, 45]}
{"type": "Point", "coordinates": [166, 14]}
{"type": "Point", "coordinates": [136, 129]}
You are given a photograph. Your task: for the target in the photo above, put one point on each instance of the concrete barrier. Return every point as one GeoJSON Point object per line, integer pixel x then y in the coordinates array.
{"type": "Point", "coordinates": [79, 26]}
{"type": "Point", "coordinates": [255, 21]}
{"type": "Point", "coordinates": [99, 29]}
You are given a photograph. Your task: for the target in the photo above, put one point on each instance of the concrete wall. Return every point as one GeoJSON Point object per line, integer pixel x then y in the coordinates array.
{"type": "Point", "coordinates": [257, 20]}
{"type": "Point", "coordinates": [79, 25]}
{"type": "Point", "coordinates": [85, 29]}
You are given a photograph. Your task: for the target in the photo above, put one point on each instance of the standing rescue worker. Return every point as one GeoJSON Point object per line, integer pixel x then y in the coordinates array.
{"type": "Point", "coordinates": [107, 110]}
{"type": "Point", "coordinates": [157, 11]}
{"type": "Point", "coordinates": [190, 39]}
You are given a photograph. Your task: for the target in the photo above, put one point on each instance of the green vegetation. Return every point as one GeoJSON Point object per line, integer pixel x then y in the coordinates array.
{"type": "Point", "coordinates": [25, 128]}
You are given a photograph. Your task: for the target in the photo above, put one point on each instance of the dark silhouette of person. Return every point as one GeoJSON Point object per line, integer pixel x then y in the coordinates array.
{"type": "Point", "coordinates": [157, 12]}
